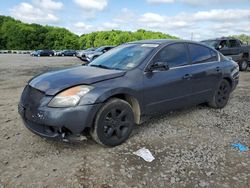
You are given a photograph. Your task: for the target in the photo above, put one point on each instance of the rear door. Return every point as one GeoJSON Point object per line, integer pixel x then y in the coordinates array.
{"type": "Point", "coordinates": [206, 71]}
{"type": "Point", "coordinates": [169, 89]}
{"type": "Point", "coordinates": [235, 49]}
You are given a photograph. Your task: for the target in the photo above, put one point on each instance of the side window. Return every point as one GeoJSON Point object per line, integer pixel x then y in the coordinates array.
{"type": "Point", "coordinates": [175, 55]}
{"type": "Point", "coordinates": [234, 43]}
{"type": "Point", "coordinates": [201, 54]}
{"type": "Point", "coordinates": [223, 44]}
{"type": "Point", "coordinates": [105, 49]}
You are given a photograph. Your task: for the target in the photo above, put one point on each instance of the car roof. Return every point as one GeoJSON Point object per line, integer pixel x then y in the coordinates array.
{"type": "Point", "coordinates": [222, 38]}
{"type": "Point", "coordinates": [105, 46]}
{"type": "Point", "coordinates": [161, 41]}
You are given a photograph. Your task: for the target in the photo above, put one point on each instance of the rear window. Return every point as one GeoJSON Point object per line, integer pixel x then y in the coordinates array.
{"type": "Point", "coordinates": [234, 43]}
{"type": "Point", "coordinates": [201, 54]}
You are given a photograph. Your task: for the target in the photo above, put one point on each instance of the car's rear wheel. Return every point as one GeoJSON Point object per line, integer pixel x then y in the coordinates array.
{"type": "Point", "coordinates": [221, 95]}
{"type": "Point", "coordinates": [243, 65]}
{"type": "Point", "coordinates": [114, 123]}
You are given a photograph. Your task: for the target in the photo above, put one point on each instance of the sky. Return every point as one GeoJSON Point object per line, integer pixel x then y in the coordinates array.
{"type": "Point", "coordinates": [201, 19]}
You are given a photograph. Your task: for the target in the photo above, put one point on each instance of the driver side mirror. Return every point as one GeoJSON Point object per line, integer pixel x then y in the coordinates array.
{"type": "Point", "coordinates": [159, 66]}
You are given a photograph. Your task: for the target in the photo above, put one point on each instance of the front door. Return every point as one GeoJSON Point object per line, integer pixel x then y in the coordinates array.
{"type": "Point", "coordinates": [169, 89]}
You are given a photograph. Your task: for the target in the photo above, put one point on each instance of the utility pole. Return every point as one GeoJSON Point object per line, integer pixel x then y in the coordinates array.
{"type": "Point", "coordinates": [192, 36]}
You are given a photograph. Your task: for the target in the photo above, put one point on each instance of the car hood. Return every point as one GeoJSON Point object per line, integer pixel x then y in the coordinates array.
{"type": "Point", "coordinates": [53, 82]}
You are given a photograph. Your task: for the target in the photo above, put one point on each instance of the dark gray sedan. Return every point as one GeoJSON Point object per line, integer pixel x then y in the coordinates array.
{"type": "Point", "coordinates": [124, 87]}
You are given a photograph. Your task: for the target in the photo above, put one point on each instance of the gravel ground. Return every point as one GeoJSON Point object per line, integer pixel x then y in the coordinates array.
{"type": "Point", "coordinates": [191, 146]}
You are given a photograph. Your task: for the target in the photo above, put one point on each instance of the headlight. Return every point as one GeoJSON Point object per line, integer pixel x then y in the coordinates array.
{"type": "Point", "coordinates": [70, 97]}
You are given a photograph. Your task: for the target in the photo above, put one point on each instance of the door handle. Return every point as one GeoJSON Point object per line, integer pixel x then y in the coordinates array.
{"type": "Point", "coordinates": [218, 69]}
{"type": "Point", "coordinates": [187, 77]}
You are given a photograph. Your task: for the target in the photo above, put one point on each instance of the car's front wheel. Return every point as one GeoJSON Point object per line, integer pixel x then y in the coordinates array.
{"type": "Point", "coordinates": [221, 95]}
{"type": "Point", "coordinates": [243, 65]}
{"type": "Point", "coordinates": [114, 123]}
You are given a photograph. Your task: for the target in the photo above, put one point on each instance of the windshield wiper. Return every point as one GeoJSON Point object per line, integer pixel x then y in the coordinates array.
{"type": "Point", "coordinates": [101, 66]}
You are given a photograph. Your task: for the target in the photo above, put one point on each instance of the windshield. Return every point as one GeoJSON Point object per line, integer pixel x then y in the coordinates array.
{"type": "Point", "coordinates": [211, 43]}
{"type": "Point", "coordinates": [124, 57]}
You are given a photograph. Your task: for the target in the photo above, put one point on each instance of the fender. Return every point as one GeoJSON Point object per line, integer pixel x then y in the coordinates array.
{"type": "Point", "coordinates": [100, 95]}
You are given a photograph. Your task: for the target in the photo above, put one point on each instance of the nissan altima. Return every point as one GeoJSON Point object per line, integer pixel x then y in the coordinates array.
{"type": "Point", "coordinates": [124, 87]}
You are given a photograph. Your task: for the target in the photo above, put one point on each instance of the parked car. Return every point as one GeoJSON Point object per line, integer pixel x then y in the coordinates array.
{"type": "Point", "coordinates": [66, 53]}
{"type": "Point", "coordinates": [124, 87]}
{"type": "Point", "coordinates": [43, 53]}
{"type": "Point", "coordinates": [233, 48]}
{"type": "Point", "coordinates": [32, 53]}
{"type": "Point", "coordinates": [91, 55]}
{"type": "Point", "coordinates": [80, 53]}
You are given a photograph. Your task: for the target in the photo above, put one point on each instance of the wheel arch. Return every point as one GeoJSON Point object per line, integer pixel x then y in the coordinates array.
{"type": "Point", "coordinates": [245, 55]}
{"type": "Point", "coordinates": [134, 103]}
{"type": "Point", "coordinates": [229, 80]}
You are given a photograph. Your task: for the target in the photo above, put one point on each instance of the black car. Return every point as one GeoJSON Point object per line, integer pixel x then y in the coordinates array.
{"type": "Point", "coordinates": [43, 53]}
{"type": "Point", "coordinates": [66, 53]}
{"type": "Point", "coordinates": [89, 56]}
{"type": "Point", "coordinates": [233, 48]}
{"type": "Point", "coordinates": [124, 87]}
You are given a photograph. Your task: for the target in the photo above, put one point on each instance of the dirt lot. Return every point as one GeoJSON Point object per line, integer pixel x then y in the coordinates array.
{"type": "Point", "coordinates": [192, 147]}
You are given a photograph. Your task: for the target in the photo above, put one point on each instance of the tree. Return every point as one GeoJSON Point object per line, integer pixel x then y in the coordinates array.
{"type": "Point", "coordinates": [244, 38]}
{"type": "Point", "coordinates": [15, 35]}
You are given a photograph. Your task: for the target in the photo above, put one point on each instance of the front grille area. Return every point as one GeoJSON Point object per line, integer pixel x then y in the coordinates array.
{"type": "Point", "coordinates": [31, 97]}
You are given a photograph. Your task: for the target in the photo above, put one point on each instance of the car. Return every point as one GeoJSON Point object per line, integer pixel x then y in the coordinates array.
{"type": "Point", "coordinates": [91, 55]}
{"type": "Point", "coordinates": [124, 87]}
{"type": "Point", "coordinates": [32, 53]}
{"type": "Point", "coordinates": [80, 53]}
{"type": "Point", "coordinates": [66, 53]}
{"type": "Point", "coordinates": [233, 48]}
{"type": "Point", "coordinates": [39, 53]}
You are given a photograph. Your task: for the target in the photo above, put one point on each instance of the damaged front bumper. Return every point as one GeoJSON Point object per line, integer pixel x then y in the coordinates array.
{"type": "Point", "coordinates": [54, 123]}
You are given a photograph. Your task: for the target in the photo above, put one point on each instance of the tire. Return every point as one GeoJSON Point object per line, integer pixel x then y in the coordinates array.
{"type": "Point", "coordinates": [243, 65]}
{"type": "Point", "coordinates": [114, 123]}
{"type": "Point", "coordinates": [221, 95]}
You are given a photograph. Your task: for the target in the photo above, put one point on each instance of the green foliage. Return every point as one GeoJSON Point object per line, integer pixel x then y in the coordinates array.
{"type": "Point", "coordinates": [116, 37]}
{"type": "Point", "coordinates": [15, 35]}
{"type": "Point", "coordinates": [244, 38]}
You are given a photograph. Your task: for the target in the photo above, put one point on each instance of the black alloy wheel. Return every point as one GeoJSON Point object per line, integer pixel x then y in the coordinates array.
{"type": "Point", "coordinates": [114, 123]}
{"type": "Point", "coordinates": [243, 65]}
{"type": "Point", "coordinates": [221, 95]}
